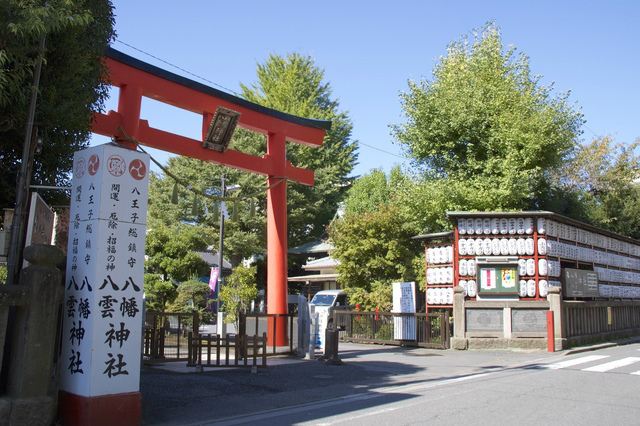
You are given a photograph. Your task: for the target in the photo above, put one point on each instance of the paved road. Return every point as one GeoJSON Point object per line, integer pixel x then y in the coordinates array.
{"type": "Point", "coordinates": [389, 385]}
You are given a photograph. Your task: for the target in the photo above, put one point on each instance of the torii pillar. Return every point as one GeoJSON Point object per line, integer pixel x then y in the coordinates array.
{"type": "Point", "coordinates": [136, 79]}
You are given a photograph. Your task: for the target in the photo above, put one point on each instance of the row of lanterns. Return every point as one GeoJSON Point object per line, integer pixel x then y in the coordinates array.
{"type": "Point", "coordinates": [503, 226]}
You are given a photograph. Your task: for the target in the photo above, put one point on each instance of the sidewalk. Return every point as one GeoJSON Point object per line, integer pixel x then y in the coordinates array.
{"type": "Point", "coordinates": [173, 394]}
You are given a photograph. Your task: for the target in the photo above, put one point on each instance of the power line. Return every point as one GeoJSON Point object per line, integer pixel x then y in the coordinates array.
{"type": "Point", "coordinates": [382, 150]}
{"type": "Point", "coordinates": [179, 68]}
{"type": "Point", "coordinates": [232, 91]}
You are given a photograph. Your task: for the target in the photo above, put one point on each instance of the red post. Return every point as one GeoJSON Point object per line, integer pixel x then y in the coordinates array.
{"type": "Point", "coordinates": [129, 105]}
{"type": "Point", "coordinates": [551, 342]}
{"type": "Point", "coordinates": [277, 239]}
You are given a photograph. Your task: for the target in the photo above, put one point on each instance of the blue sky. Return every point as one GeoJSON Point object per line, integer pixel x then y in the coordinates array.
{"type": "Point", "coordinates": [370, 49]}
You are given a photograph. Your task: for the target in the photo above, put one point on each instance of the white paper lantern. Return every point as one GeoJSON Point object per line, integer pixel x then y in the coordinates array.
{"type": "Point", "coordinates": [462, 247]}
{"type": "Point", "coordinates": [449, 296]}
{"type": "Point", "coordinates": [542, 267]}
{"type": "Point", "coordinates": [486, 247]}
{"type": "Point", "coordinates": [477, 226]}
{"type": "Point", "coordinates": [531, 288]}
{"type": "Point", "coordinates": [470, 228]}
{"type": "Point", "coordinates": [504, 247]}
{"type": "Point", "coordinates": [520, 247]}
{"type": "Point", "coordinates": [430, 276]}
{"type": "Point", "coordinates": [528, 226]}
{"type": "Point", "coordinates": [513, 246]}
{"type": "Point", "coordinates": [477, 244]}
{"type": "Point", "coordinates": [504, 226]}
{"type": "Point", "coordinates": [542, 246]}
{"type": "Point", "coordinates": [520, 225]}
{"type": "Point", "coordinates": [471, 288]}
{"type": "Point", "coordinates": [495, 226]}
{"type": "Point", "coordinates": [531, 267]}
{"type": "Point", "coordinates": [513, 227]}
{"type": "Point", "coordinates": [462, 227]}
{"type": "Point", "coordinates": [529, 247]}
{"type": "Point", "coordinates": [449, 275]}
{"type": "Point", "coordinates": [463, 284]}
{"type": "Point", "coordinates": [523, 288]}
{"type": "Point", "coordinates": [522, 267]}
{"type": "Point", "coordinates": [543, 288]}
{"type": "Point", "coordinates": [430, 296]}
{"type": "Point", "coordinates": [495, 246]}
{"type": "Point", "coordinates": [486, 226]}
{"type": "Point", "coordinates": [471, 267]}
{"type": "Point", "coordinates": [542, 225]}
{"type": "Point", "coordinates": [449, 251]}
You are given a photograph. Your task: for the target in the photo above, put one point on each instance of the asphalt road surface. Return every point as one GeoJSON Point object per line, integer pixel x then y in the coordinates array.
{"type": "Point", "coordinates": [400, 386]}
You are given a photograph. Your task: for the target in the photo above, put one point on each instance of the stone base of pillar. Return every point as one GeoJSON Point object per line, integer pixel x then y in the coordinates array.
{"type": "Point", "coordinates": [460, 344]}
{"type": "Point", "coordinates": [119, 409]}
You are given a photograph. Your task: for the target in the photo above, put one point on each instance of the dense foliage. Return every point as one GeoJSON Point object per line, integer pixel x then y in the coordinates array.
{"type": "Point", "coordinates": [238, 291]}
{"type": "Point", "coordinates": [71, 86]}
{"type": "Point", "coordinates": [484, 125]}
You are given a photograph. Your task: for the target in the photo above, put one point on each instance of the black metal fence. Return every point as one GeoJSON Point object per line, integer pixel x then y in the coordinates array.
{"type": "Point", "coordinates": [406, 329]}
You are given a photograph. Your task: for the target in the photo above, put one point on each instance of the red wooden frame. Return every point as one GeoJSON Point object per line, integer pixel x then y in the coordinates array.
{"type": "Point", "coordinates": [137, 79]}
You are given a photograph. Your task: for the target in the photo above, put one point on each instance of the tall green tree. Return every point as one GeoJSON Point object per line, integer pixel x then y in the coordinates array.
{"type": "Point", "coordinates": [485, 124]}
{"type": "Point", "coordinates": [71, 86]}
{"type": "Point", "coordinates": [374, 189]}
{"type": "Point", "coordinates": [295, 84]}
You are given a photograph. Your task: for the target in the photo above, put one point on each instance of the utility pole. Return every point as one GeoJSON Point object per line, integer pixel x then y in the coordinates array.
{"type": "Point", "coordinates": [17, 225]}
{"type": "Point", "coordinates": [221, 327]}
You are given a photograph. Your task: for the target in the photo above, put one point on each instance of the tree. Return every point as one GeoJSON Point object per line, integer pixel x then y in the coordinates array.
{"type": "Point", "coordinates": [158, 293]}
{"type": "Point", "coordinates": [193, 296]}
{"type": "Point", "coordinates": [375, 247]}
{"type": "Point", "coordinates": [238, 291]}
{"type": "Point", "coordinates": [71, 86]}
{"type": "Point", "coordinates": [487, 126]}
{"type": "Point", "coordinates": [294, 84]}
{"type": "Point", "coordinates": [371, 191]}
{"type": "Point", "coordinates": [171, 251]}
{"type": "Point", "coordinates": [600, 184]}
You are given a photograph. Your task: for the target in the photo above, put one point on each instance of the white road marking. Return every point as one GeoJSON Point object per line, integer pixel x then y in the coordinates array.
{"type": "Point", "coordinates": [576, 361]}
{"type": "Point", "coordinates": [613, 364]}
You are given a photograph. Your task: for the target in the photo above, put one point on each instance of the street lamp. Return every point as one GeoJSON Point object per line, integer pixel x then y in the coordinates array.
{"type": "Point", "coordinates": [220, 326]}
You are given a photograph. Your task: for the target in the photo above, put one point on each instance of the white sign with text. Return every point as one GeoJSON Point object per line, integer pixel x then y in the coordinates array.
{"type": "Point", "coordinates": [105, 271]}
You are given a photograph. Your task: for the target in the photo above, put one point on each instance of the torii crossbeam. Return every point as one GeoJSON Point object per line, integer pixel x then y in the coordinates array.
{"type": "Point", "coordinates": [137, 79]}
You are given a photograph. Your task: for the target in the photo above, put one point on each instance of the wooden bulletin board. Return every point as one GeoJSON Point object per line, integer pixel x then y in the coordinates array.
{"type": "Point", "coordinates": [498, 278]}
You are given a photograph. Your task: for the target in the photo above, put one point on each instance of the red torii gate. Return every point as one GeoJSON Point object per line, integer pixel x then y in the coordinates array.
{"type": "Point", "coordinates": [137, 79]}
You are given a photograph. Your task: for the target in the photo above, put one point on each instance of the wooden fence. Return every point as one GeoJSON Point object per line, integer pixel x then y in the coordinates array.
{"type": "Point", "coordinates": [238, 350]}
{"type": "Point", "coordinates": [585, 320]}
{"type": "Point", "coordinates": [257, 324]}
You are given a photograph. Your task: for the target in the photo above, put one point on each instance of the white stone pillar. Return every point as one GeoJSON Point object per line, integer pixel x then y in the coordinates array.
{"type": "Point", "coordinates": [102, 342]}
